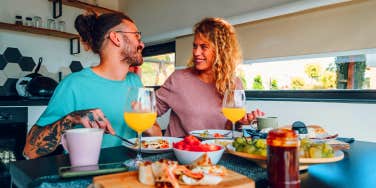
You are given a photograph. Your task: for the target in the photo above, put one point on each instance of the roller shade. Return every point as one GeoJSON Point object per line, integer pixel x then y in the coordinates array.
{"type": "Point", "coordinates": [345, 27]}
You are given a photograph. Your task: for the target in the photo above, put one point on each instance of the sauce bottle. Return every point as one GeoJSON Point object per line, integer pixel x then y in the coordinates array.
{"type": "Point", "coordinates": [283, 158]}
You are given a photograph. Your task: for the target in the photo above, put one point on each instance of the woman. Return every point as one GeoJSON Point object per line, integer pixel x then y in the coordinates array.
{"type": "Point", "coordinates": [95, 96]}
{"type": "Point", "coordinates": [195, 94]}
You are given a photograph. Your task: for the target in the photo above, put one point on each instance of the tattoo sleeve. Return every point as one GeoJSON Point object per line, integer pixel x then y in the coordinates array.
{"type": "Point", "coordinates": [42, 140]}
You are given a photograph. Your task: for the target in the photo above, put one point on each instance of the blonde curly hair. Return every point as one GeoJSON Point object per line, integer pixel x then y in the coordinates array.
{"type": "Point", "coordinates": [223, 38]}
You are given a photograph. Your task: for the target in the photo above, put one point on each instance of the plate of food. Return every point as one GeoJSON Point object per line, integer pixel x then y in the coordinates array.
{"type": "Point", "coordinates": [222, 142]}
{"type": "Point", "coordinates": [153, 144]}
{"type": "Point", "coordinates": [214, 134]}
{"type": "Point", "coordinates": [310, 152]}
{"type": "Point", "coordinates": [315, 133]}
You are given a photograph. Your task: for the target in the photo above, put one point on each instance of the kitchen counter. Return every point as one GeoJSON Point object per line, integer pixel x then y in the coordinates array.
{"type": "Point", "coordinates": [22, 101]}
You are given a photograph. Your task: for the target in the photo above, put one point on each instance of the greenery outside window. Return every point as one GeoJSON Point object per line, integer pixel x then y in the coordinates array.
{"type": "Point", "coordinates": [156, 69]}
{"type": "Point", "coordinates": [159, 64]}
{"type": "Point", "coordinates": [346, 76]}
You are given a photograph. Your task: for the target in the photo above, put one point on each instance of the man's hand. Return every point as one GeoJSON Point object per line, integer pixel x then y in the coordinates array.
{"type": "Point", "coordinates": [92, 118]}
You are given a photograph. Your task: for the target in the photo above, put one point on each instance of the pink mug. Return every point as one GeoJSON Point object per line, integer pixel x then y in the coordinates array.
{"type": "Point", "coordinates": [83, 145]}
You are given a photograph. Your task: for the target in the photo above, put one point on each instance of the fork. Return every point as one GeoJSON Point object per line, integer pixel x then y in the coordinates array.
{"type": "Point", "coordinates": [125, 140]}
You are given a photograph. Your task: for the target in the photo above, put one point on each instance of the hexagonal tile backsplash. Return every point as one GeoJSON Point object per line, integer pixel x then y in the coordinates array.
{"type": "Point", "coordinates": [14, 66]}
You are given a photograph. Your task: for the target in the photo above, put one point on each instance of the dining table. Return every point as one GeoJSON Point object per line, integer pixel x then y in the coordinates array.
{"type": "Point", "coordinates": [356, 169]}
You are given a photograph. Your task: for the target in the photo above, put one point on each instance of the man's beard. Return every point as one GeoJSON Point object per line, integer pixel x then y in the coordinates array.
{"type": "Point", "coordinates": [132, 57]}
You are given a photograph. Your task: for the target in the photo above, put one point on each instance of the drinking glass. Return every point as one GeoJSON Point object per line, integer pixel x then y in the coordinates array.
{"type": "Point", "coordinates": [233, 106]}
{"type": "Point", "coordinates": [51, 24]}
{"type": "Point", "coordinates": [139, 114]}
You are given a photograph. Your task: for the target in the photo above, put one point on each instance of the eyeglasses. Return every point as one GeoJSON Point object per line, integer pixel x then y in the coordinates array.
{"type": "Point", "coordinates": [137, 33]}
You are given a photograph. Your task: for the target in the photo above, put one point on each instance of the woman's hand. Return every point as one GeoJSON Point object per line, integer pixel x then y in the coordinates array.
{"type": "Point", "coordinates": [93, 118]}
{"type": "Point", "coordinates": [251, 117]}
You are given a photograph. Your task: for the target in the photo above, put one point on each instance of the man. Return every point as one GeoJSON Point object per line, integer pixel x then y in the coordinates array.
{"type": "Point", "coordinates": [95, 96]}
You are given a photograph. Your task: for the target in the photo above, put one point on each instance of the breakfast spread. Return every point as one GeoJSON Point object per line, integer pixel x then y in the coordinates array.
{"type": "Point", "coordinates": [307, 149]}
{"type": "Point", "coordinates": [153, 144]}
{"type": "Point", "coordinates": [207, 134]}
{"type": "Point", "coordinates": [312, 131]}
{"type": "Point", "coordinates": [250, 146]}
{"type": "Point", "coordinates": [167, 173]}
{"type": "Point", "coordinates": [191, 143]}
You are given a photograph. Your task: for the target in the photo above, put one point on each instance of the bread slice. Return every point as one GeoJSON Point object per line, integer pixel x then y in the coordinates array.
{"type": "Point", "coordinates": [145, 173]}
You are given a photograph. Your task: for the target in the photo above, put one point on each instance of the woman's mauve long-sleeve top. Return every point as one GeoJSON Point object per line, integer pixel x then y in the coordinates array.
{"type": "Point", "coordinates": [194, 104]}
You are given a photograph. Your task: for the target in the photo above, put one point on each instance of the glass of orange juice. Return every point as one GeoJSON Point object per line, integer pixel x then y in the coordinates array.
{"type": "Point", "coordinates": [140, 115]}
{"type": "Point", "coordinates": [233, 106]}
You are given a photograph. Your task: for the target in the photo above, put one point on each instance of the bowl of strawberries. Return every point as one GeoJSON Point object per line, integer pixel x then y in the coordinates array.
{"type": "Point", "coordinates": [191, 148]}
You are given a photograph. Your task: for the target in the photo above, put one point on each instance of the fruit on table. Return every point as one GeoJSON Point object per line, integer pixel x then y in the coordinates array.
{"type": "Point", "coordinates": [191, 143]}
{"type": "Point", "coordinates": [247, 145]}
{"type": "Point", "coordinates": [310, 149]}
{"type": "Point", "coordinates": [307, 149]}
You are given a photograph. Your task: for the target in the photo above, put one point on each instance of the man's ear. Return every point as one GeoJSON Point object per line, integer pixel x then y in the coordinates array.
{"type": "Point", "coordinates": [114, 39]}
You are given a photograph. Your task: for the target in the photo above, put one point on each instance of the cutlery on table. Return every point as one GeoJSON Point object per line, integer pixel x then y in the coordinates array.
{"type": "Point", "coordinates": [125, 140]}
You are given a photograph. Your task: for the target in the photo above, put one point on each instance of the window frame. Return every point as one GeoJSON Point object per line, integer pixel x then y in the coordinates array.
{"type": "Point", "coordinates": [159, 49]}
{"type": "Point", "coordinates": [336, 96]}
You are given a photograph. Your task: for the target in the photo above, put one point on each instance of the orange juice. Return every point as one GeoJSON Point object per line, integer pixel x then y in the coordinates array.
{"type": "Point", "coordinates": [233, 114]}
{"type": "Point", "coordinates": [140, 121]}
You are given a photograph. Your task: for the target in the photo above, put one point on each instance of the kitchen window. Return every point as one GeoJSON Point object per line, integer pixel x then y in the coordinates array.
{"type": "Point", "coordinates": [345, 76]}
{"type": "Point", "coordinates": [159, 64]}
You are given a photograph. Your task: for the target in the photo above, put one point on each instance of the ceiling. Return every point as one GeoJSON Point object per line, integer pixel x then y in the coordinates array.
{"type": "Point", "coordinates": [163, 20]}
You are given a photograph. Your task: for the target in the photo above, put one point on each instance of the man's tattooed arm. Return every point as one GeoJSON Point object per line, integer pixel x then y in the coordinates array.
{"type": "Point", "coordinates": [41, 141]}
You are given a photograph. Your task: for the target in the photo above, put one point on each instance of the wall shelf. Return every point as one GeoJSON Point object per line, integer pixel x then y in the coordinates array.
{"type": "Point", "coordinates": [34, 30]}
{"type": "Point", "coordinates": [86, 6]}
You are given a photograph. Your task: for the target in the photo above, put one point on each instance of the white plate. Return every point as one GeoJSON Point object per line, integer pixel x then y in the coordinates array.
{"type": "Point", "coordinates": [146, 150]}
{"type": "Point", "coordinates": [324, 137]}
{"type": "Point", "coordinates": [338, 155]}
{"type": "Point", "coordinates": [222, 142]}
{"type": "Point", "coordinates": [211, 132]}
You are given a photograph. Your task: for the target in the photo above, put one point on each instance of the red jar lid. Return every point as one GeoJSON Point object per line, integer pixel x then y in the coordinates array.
{"type": "Point", "coordinates": [282, 138]}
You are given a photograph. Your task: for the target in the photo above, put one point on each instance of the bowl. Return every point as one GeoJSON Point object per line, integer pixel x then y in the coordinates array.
{"type": "Point", "coordinates": [188, 157]}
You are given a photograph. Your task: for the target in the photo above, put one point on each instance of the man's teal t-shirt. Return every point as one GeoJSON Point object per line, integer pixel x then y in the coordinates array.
{"type": "Point", "coordinates": [86, 90]}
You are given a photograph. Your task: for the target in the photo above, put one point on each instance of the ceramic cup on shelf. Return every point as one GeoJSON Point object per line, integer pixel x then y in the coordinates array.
{"type": "Point", "coordinates": [83, 145]}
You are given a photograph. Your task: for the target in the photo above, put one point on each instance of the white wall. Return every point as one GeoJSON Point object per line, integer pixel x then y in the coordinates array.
{"type": "Point", "coordinates": [55, 51]}
{"type": "Point", "coordinates": [33, 113]}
